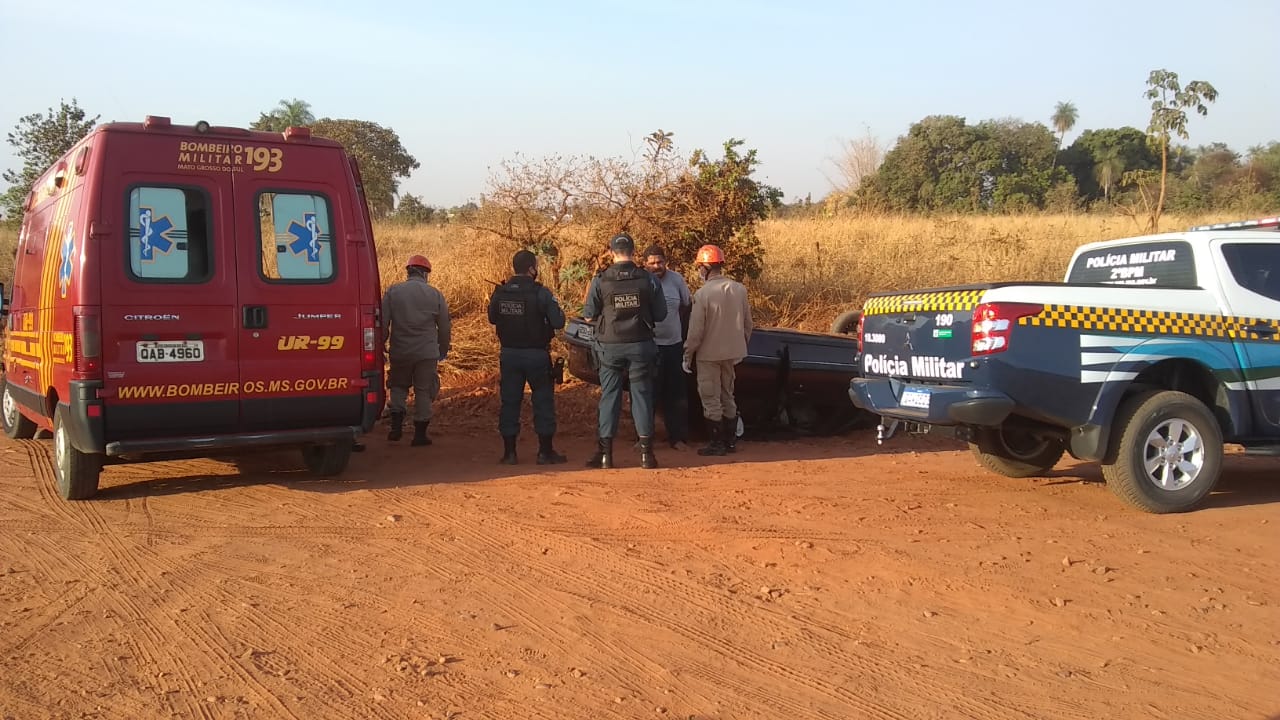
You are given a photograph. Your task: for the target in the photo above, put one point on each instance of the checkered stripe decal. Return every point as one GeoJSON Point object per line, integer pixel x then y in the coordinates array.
{"type": "Point", "coordinates": [952, 301]}
{"type": "Point", "coordinates": [1149, 322]}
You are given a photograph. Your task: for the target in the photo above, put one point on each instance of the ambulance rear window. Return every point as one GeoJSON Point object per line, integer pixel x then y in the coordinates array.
{"type": "Point", "coordinates": [295, 233]}
{"type": "Point", "coordinates": [169, 235]}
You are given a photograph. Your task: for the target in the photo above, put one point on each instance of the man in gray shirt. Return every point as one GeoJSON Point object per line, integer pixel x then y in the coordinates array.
{"type": "Point", "coordinates": [668, 333]}
{"type": "Point", "coordinates": [415, 317]}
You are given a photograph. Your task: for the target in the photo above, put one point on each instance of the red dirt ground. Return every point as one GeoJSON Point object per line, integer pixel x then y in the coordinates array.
{"type": "Point", "coordinates": [804, 579]}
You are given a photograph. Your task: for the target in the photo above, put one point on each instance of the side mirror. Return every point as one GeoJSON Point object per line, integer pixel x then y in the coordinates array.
{"type": "Point", "coordinates": [4, 302]}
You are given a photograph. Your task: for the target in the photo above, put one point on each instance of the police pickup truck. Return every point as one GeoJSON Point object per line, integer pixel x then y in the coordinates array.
{"type": "Point", "coordinates": [1154, 352]}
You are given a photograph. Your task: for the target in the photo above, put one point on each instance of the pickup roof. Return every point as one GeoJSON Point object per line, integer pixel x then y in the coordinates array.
{"type": "Point", "coordinates": [1153, 352]}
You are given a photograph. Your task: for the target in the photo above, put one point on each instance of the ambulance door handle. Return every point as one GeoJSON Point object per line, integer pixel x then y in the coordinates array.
{"type": "Point", "coordinates": [255, 316]}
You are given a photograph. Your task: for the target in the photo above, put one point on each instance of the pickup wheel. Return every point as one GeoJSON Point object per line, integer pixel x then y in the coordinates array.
{"type": "Point", "coordinates": [1014, 452]}
{"type": "Point", "coordinates": [16, 425]}
{"type": "Point", "coordinates": [327, 460]}
{"type": "Point", "coordinates": [846, 323]}
{"type": "Point", "coordinates": [76, 472]}
{"type": "Point", "coordinates": [1167, 452]}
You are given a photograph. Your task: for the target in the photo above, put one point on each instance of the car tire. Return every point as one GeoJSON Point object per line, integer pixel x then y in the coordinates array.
{"type": "Point", "coordinates": [16, 425]}
{"type": "Point", "coordinates": [1014, 452]}
{"type": "Point", "coordinates": [327, 460]}
{"type": "Point", "coordinates": [846, 323]}
{"type": "Point", "coordinates": [76, 472]}
{"type": "Point", "coordinates": [1166, 452]}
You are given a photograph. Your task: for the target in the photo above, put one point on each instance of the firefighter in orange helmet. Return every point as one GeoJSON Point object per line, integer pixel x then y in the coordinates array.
{"type": "Point", "coordinates": [719, 329]}
{"type": "Point", "coordinates": [415, 318]}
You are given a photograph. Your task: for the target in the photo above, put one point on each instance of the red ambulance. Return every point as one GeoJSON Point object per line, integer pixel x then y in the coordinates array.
{"type": "Point", "coordinates": [187, 291]}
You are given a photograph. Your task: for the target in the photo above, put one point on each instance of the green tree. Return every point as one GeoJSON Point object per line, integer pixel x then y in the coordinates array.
{"type": "Point", "coordinates": [288, 113]}
{"type": "Point", "coordinates": [411, 211]}
{"type": "Point", "coordinates": [383, 160]}
{"type": "Point", "coordinates": [1169, 104]}
{"type": "Point", "coordinates": [933, 167]}
{"type": "Point", "coordinates": [1127, 146]}
{"type": "Point", "coordinates": [1064, 118]}
{"type": "Point", "coordinates": [39, 140]}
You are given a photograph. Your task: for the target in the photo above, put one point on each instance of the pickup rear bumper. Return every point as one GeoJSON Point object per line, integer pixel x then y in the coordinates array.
{"type": "Point", "coordinates": [947, 404]}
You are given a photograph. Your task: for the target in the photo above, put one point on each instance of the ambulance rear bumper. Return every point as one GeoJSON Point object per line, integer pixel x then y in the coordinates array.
{"type": "Point", "coordinates": [210, 444]}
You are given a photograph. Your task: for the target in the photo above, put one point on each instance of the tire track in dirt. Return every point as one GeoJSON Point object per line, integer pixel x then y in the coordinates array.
{"type": "Point", "coordinates": [953, 699]}
{"type": "Point", "coordinates": [153, 642]}
{"type": "Point", "coordinates": [332, 642]}
{"type": "Point", "coordinates": [633, 603]}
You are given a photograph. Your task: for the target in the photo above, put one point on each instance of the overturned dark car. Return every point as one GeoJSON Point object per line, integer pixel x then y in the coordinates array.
{"type": "Point", "coordinates": [791, 382]}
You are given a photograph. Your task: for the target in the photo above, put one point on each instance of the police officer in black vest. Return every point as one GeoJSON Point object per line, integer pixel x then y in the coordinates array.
{"type": "Point", "coordinates": [526, 316]}
{"type": "Point", "coordinates": [624, 302]}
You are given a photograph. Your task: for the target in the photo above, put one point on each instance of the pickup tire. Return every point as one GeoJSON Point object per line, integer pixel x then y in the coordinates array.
{"type": "Point", "coordinates": [327, 460]}
{"type": "Point", "coordinates": [1014, 452]}
{"type": "Point", "coordinates": [846, 323]}
{"type": "Point", "coordinates": [16, 425]}
{"type": "Point", "coordinates": [1167, 452]}
{"type": "Point", "coordinates": [75, 472]}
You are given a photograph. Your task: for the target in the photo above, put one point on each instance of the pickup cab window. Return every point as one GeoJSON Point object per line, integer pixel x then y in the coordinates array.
{"type": "Point", "coordinates": [1159, 264]}
{"type": "Point", "coordinates": [1255, 267]}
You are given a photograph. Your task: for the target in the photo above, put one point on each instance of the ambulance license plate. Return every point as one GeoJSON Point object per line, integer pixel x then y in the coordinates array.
{"type": "Point", "coordinates": [915, 398]}
{"type": "Point", "coordinates": [164, 351]}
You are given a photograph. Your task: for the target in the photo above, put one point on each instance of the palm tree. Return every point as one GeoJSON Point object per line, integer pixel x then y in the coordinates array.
{"type": "Point", "coordinates": [1064, 118]}
{"type": "Point", "coordinates": [1108, 169]}
{"type": "Point", "coordinates": [297, 113]}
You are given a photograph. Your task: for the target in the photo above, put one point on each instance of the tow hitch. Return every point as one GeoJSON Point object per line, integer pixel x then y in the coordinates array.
{"type": "Point", "coordinates": [885, 431]}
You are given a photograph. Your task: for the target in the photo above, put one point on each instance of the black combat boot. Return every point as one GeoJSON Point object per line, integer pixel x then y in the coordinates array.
{"type": "Point", "coordinates": [420, 433]}
{"type": "Point", "coordinates": [715, 428]}
{"type": "Point", "coordinates": [648, 460]}
{"type": "Point", "coordinates": [397, 426]}
{"type": "Point", "coordinates": [603, 457]}
{"type": "Point", "coordinates": [508, 450]}
{"type": "Point", "coordinates": [731, 434]}
{"type": "Point", "coordinates": [547, 454]}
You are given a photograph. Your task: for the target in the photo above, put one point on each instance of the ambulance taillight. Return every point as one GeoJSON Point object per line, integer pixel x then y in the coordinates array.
{"type": "Point", "coordinates": [86, 341]}
{"type": "Point", "coordinates": [369, 344]}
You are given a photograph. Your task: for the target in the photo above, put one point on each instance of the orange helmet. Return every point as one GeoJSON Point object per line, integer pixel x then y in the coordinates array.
{"type": "Point", "coordinates": [420, 261]}
{"type": "Point", "coordinates": [709, 255]}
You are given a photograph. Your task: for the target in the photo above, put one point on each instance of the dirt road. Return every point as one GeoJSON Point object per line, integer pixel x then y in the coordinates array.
{"type": "Point", "coordinates": [806, 579]}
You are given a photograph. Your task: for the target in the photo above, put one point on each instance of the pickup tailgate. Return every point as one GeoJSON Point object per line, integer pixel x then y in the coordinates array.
{"type": "Point", "coordinates": [920, 336]}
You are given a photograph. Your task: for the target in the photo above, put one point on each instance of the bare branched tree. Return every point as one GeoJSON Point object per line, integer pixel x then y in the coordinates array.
{"type": "Point", "coordinates": [858, 160]}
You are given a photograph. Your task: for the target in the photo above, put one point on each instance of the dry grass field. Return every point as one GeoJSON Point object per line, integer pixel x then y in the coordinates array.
{"type": "Point", "coordinates": [814, 268]}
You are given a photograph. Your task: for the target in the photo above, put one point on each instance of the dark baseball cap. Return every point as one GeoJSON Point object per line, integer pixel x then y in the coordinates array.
{"type": "Point", "coordinates": [622, 243]}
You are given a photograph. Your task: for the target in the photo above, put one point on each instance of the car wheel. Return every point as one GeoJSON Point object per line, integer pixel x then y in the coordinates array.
{"type": "Point", "coordinates": [327, 460]}
{"type": "Point", "coordinates": [16, 425]}
{"type": "Point", "coordinates": [1013, 451]}
{"type": "Point", "coordinates": [1169, 452]}
{"type": "Point", "coordinates": [76, 472]}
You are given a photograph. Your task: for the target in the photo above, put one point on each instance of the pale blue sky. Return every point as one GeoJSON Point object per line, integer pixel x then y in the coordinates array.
{"type": "Point", "coordinates": [468, 84]}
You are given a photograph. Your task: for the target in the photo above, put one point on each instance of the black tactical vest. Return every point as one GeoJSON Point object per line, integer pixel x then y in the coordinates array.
{"type": "Point", "coordinates": [627, 312]}
{"type": "Point", "coordinates": [520, 323]}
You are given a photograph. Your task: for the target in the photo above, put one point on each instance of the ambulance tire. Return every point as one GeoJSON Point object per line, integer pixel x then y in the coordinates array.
{"type": "Point", "coordinates": [1143, 426]}
{"type": "Point", "coordinates": [1014, 452]}
{"type": "Point", "coordinates": [327, 460]}
{"type": "Point", "coordinates": [16, 425]}
{"type": "Point", "coordinates": [846, 323]}
{"type": "Point", "coordinates": [76, 472]}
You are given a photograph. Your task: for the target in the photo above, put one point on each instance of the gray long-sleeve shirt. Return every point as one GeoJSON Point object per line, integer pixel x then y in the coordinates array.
{"type": "Point", "coordinates": [416, 318]}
